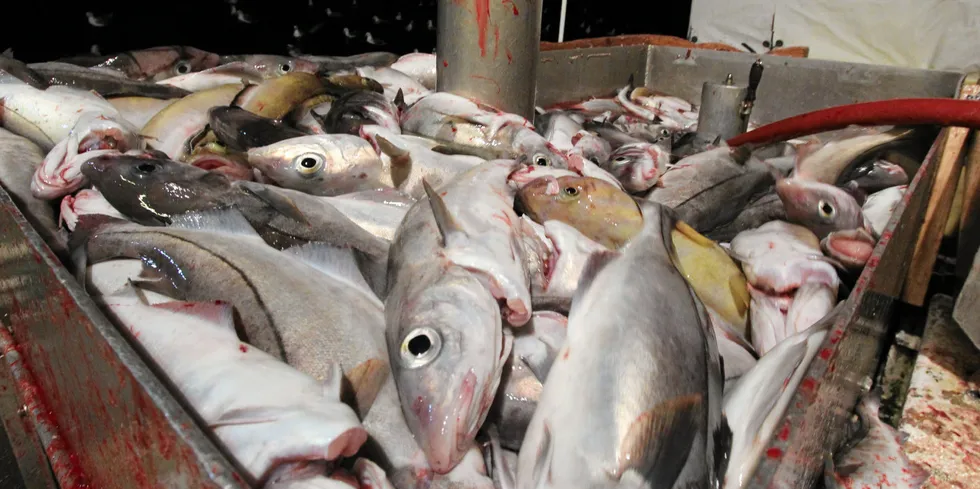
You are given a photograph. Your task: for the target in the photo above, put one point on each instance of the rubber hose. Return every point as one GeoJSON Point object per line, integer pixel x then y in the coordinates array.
{"type": "Point", "coordinates": [898, 112]}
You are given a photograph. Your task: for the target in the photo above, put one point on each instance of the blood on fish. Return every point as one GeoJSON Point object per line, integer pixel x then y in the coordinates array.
{"type": "Point", "coordinates": [774, 453]}
{"type": "Point", "coordinates": [243, 348]}
{"type": "Point", "coordinates": [784, 433]}
{"type": "Point", "coordinates": [825, 353]}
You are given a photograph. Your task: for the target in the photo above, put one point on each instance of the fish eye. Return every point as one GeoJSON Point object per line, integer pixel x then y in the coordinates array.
{"type": "Point", "coordinates": [594, 159]}
{"type": "Point", "coordinates": [182, 67]}
{"type": "Point", "coordinates": [571, 191]}
{"type": "Point", "coordinates": [420, 347]}
{"type": "Point", "coordinates": [664, 132]}
{"type": "Point", "coordinates": [826, 209]}
{"type": "Point", "coordinates": [146, 167]}
{"type": "Point", "coordinates": [621, 159]}
{"type": "Point", "coordinates": [285, 67]}
{"type": "Point", "coordinates": [540, 160]}
{"type": "Point", "coordinates": [308, 164]}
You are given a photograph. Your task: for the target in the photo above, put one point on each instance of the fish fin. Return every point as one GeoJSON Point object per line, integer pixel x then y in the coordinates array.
{"type": "Point", "coordinates": [740, 294]}
{"type": "Point", "coordinates": [332, 384]}
{"type": "Point", "coordinates": [246, 415]}
{"type": "Point", "coordinates": [723, 439]}
{"type": "Point", "coordinates": [220, 313]}
{"type": "Point", "coordinates": [400, 101]}
{"type": "Point", "coordinates": [401, 160]}
{"type": "Point", "coordinates": [631, 83]}
{"type": "Point", "coordinates": [89, 225]}
{"type": "Point", "coordinates": [686, 229]}
{"type": "Point", "coordinates": [541, 472]}
{"type": "Point", "coordinates": [444, 219]}
{"type": "Point", "coordinates": [162, 276]}
{"type": "Point", "coordinates": [339, 263]}
{"type": "Point", "coordinates": [363, 383]}
{"type": "Point", "coordinates": [442, 150]}
{"type": "Point", "coordinates": [596, 262]}
{"type": "Point", "coordinates": [668, 424]}
{"type": "Point", "coordinates": [281, 203]}
{"type": "Point", "coordinates": [225, 221]}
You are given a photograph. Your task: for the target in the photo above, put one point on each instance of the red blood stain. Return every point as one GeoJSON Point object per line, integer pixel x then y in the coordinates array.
{"type": "Point", "coordinates": [445, 63]}
{"type": "Point", "coordinates": [512, 5]}
{"type": "Point", "coordinates": [784, 433]}
{"type": "Point", "coordinates": [825, 353]}
{"type": "Point", "coordinates": [243, 348]}
{"type": "Point", "coordinates": [774, 453]}
{"type": "Point", "coordinates": [491, 80]}
{"type": "Point", "coordinates": [482, 17]}
{"type": "Point", "coordinates": [496, 41]}
{"type": "Point", "coordinates": [939, 413]}
{"type": "Point", "coordinates": [565, 356]}
{"type": "Point", "coordinates": [873, 261]}
{"type": "Point", "coordinates": [808, 384]}
{"type": "Point", "coordinates": [510, 59]}
{"type": "Point", "coordinates": [362, 176]}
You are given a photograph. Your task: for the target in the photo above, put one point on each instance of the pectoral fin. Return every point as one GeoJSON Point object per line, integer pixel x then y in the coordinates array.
{"type": "Point", "coordinates": [659, 441]}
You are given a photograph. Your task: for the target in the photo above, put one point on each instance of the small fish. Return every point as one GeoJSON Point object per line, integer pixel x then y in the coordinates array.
{"type": "Point", "coordinates": [378, 212]}
{"type": "Point", "coordinates": [764, 208]}
{"type": "Point", "coordinates": [333, 63]}
{"type": "Point", "coordinates": [820, 207]}
{"type": "Point", "coordinates": [779, 257]}
{"type": "Point", "coordinates": [139, 110]}
{"type": "Point", "coordinates": [591, 147]}
{"type": "Point", "coordinates": [241, 130]}
{"type": "Point", "coordinates": [105, 84]}
{"type": "Point", "coordinates": [596, 208]}
{"type": "Point", "coordinates": [875, 176]}
{"type": "Point", "coordinates": [156, 63]}
{"type": "Point", "coordinates": [651, 412]}
{"type": "Point", "coordinates": [275, 98]}
{"type": "Point", "coordinates": [395, 82]}
{"type": "Point", "coordinates": [358, 108]}
{"type": "Point", "coordinates": [268, 66]}
{"type": "Point", "coordinates": [173, 128]}
{"type": "Point", "coordinates": [880, 206]}
{"type": "Point", "coordinates": [877, 458]}
{"type": "Point", "coordinates": [833, 159]}
{"type": "Point", "coordinates": [558, 127]}
{"type": "Point", "coordinates": [638, 166]}
{"type": "Point", "coordinates": [420, 66]}
{"type": "Point", "coordinates": [323, 164]}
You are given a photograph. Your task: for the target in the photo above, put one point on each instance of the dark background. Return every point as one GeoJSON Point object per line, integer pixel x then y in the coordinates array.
{"type": "Point", "coordinates": [297, 26]}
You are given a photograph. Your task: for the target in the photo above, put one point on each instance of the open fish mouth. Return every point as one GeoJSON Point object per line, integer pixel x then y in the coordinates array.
{"type": "Point", "coordinates": [224, 165]}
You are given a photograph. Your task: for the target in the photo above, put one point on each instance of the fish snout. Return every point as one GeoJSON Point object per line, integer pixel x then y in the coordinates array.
{"type": "Point", "coordinates": [453, 427]}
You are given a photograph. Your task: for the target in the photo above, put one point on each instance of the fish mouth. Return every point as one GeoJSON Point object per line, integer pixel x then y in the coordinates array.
{"type": "Point", "coordinates": [452, 427]}
{"type": "Point", "coordinates": [60, 173]}
{"type": "Point", "coordinates": [224, 165]}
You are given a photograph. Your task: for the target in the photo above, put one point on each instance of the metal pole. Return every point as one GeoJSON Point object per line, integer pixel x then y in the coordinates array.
{"type": "Point", "coordinates": [488, 51]}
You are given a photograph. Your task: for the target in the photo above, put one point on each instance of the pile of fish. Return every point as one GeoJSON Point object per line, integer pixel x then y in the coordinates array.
{"type": "Point", "coordinates": [357, 281]}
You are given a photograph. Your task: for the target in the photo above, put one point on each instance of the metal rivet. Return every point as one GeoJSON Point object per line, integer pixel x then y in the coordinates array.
{"type": "Point", "coordinates": [765, 44]}
{"type": "Point", "coordinates": [694, 38]}
{"type": "Point", "coordinates": [779, 43]}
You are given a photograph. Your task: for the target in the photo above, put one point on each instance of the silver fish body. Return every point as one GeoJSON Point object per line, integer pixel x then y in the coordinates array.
{"type": "Point", "coordinates": [19, 158]}
{"type": "Point", "coordinates": [667, 415]}
{"type": "Point", "coordinates": [323, 164]}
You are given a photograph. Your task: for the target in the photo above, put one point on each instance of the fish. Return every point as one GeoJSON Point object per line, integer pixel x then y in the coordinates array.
{"type": "Point", "coordinates": [711, 188]}
{"type": "Point", "coordinates": [875, 176]}
{"type": "Point", "coordinates": [307, 115]}
{"type": "Point", "coordinates": [93, 135]}
{"type": "Point", "coordinates": [537, 344]}
{"type": "Point", "coordinates": [86, 201]}
{"type": "Point", "coordinates": [458, 120]}
{"type": "Point", "coordinates": [241, 130]}
{"type": "Point", "coordinates": [392, 445]}
{"type": "Point", "coordinates": [244, 395]}
{"type": "Point", "coordinates": [326, 475]}
{"type": "Point", "coordinates": [276, 97]}
{"type": "Point", "coordinates": [105, 84]}
{"type": "Point", "coordinates": [880, 206]}
{"type": "Point", "coordinates": [638, 166]}
{"type": "Point", "coordinates": [591, 147]}
{"type": "Point", "coordinates": [671, 112]}
{"type": "Point", "coordinates": [665, 432]}
{"type": "Point", "coordinates": [144, 190]}
{"type": "Point", "coordinates": [421, 67]}
{"type": "Point", "coordinates": [515, 403]}
{"type": "Point", "coordinates": [19, 71]}
{"type": "Point", "coordinates": [578, 167]}
{"type": "Point", "coordinates": [323, 164]}
{"type": "Point", "coordinates": [173, 128]}
{"type": "Point", "coordinates": [358, 108]}
{"type": "Point", "coordinates": [227, 73]}
{"type": "Point", "coordinates": [737, 354]}
{"type": "Point", "coordinates": [139, 110]}
{"type": "Point", "coordinates": [409, 163]}
{"type": "Point", "coordinates": [834, 158]}
{"type": "Point", "coordinates": [332, 63]}
{"type": "Point", "coordinates": [763, 208]}
{"type": "Point", "coordinates": [395, 82]}
{"type": "Point", "coordinates": [600, 211]}
{"type": "Point", "coordinates": [378, 212]}
{"type": "Point", "coordinates": [46, 117]}
{"type": "Point", "coordinates": [877, 456]}
{"type": "Point", "coordinates": [558, 127]}
{"type": "Point", "coordinates": [19, 158]}
{"type": "Point", "coordinates": [820, 207]}
{"type": "Point", "coordinates": [456, 254]}
{"type": "Point", "coordinates": [268, 66]}
{"type": "Point", "coordinates": [778, 257]}
{"type": "Point", "coordinates": [811, 303]}
{"type": "Point", "coordinates": [308, 306]}
{"type": "Point", "coordinates": [611, 133]}
{"type": "Point", "coordinates": [853, 248]}
{"type": "Point", "coordinates": [560, 253]}
{"type": "Point", "coordinates": [768, 319]}
{"type": "Point", "coordinates": [154, 64]}
{"type": "Point", "coordinates": [755, 404]}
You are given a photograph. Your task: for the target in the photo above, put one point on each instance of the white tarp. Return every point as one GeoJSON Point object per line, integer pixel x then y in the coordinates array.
{"type": "Point", "coordinates": [937, 34]}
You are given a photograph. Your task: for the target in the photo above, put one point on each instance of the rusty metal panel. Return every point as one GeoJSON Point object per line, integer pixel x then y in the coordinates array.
{"type": "Point", "coordinates": [577, 74]}
{"type": "Point", "coordinates": [942, 410]}
{"type": "Point", "coordinates": [844, 368]}
{"type": "Point", "coordinates": [103, 416]}
{"type": "Point", "coordinates": [29, 468]}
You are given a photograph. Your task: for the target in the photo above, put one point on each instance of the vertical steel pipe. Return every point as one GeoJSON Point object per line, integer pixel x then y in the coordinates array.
{"type": "Point", "coordinates": [488, 51]}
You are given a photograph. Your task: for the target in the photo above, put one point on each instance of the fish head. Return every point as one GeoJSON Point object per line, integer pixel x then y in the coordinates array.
{"type": "Point", "coordinates": [598, 209]}
{"type": "Point", "coordinates": [820, 207]}
{"type": "Point", "coordinates": [359, 108]}
{"type": "Point", "coordinates": [537, 151]}
{"type": "Point", "coordinates": [93, 135]}
{"type": "Point", "coordinates": [272, 66]}
{"type": "Point", "coordinates": [150, 189]}
{"type": "Point", "coordinates": [323, 164]}
{"type": "Point", "coordinates": [638, 166]}
{"type": "Point", "coordinates": [170, 61]}
{"type": "Point", "coordinates": [592, 147]}
{"type": "Point", "coordinates": [447, 359]}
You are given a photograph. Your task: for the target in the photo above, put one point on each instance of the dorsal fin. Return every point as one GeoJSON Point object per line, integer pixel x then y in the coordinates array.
{"type": "Point", "coordinates": [400, 101]}
{"type": "Point", "coordinates": [444, 219]}
{"type": "Point", "coordinates": [401, 160]}
{"type": "Point", "coordinates": [338, 263]}
{"type": "Point", "coordinates": [225, 221]}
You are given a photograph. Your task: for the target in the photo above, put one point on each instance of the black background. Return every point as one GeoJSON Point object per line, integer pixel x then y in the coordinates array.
{"type": "Point", "coordinates": [297, 26]}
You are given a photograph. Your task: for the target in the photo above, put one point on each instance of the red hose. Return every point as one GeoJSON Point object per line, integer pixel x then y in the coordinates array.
{"type": "Point", "coordinates": [898, 112]}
